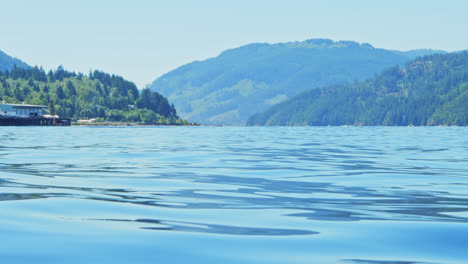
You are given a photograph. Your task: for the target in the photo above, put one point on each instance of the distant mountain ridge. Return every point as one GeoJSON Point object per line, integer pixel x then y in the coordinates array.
{"type": "Point", "coordinates": [431, 90]}
{"type": "Point", "coordinates": [412, 54]}
{"type": "Point", "coordinates": [240, 82]}
{"type": "Point", "coordinates": [7, 62]}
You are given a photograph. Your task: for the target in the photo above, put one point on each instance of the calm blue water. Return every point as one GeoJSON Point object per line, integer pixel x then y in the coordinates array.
{"type": "Point", "coordinates": [234, 195]}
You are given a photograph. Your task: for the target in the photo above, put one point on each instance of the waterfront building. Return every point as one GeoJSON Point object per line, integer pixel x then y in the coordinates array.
{"type": "Point", "coordinates": [21, 110]}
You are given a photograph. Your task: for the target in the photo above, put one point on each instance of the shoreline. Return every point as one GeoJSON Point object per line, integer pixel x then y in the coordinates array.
{"type": "Point", "coordinates": [125, 124]}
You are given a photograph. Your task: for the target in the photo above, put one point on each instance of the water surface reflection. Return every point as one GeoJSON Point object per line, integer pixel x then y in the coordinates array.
{"type": "Point", "coordinates": [318, 192]}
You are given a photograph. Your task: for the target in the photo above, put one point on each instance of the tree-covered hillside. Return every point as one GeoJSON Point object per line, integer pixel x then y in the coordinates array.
{"type": "Point", "coordinates": [7, 62]}
{"type": "Point", "coordinates": [98, 95]}
{"type": "Point", "coordinates": [432, 90]}
{"type": "Point", "coordinates": [246, 80]}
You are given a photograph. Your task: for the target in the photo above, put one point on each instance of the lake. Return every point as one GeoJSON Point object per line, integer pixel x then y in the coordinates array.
{"type": "Point", "coordinates": [372, 195]}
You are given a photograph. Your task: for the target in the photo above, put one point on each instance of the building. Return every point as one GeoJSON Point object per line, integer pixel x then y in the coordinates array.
{"type": "Point", "coordinates": [21, 110]}
{"type": "Point", "coordinates": [29, 115]}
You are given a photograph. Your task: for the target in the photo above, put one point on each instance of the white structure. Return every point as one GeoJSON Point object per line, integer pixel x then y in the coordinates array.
{"type": "Point", "coordinates": [22, 110]}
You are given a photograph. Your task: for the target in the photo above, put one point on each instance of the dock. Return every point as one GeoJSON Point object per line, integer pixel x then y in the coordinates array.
{"type": "Point", "coordinates": [33, 121]}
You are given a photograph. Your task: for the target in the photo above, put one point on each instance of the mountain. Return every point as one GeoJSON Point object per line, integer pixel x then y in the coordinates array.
{"type": "Point", "coordinates": [432, 90]}
{"type": "Point", "coordinates": [412, 54]}
{"type": "Point", "coordinates": [97, 95]}
{"type": "Point", "coordinates": [7, 62]}
{"type": "Point", "coordinates": [240, 82]}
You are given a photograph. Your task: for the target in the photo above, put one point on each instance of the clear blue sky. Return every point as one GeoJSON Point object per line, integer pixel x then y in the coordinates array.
{"type": "Point", "coordinates": [143, 39]}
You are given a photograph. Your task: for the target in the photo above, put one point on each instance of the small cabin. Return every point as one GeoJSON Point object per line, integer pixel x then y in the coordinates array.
{"type": "Point", "coordinates": [22, 110]}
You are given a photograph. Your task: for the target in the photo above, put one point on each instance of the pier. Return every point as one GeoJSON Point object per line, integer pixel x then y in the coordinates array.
{"type": "Point", "coordinates": [33, 121]}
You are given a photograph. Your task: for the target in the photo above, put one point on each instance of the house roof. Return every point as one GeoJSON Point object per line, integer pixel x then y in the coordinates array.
{"type": "Point", "coordinates": [25, 106]}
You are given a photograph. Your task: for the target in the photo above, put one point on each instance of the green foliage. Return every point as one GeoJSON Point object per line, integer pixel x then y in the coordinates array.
{"type": "Point", "coordinates": [156, 102]}
{"type": "Point", "coordinates": [99, 95]}
{"type": "Point", "coordinates": [430, 91]}
{"type": "Point", "coordinates": [240, 82]}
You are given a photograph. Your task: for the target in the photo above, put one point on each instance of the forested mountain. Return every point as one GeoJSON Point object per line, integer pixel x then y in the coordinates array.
{"type": "Point", "coordinates": [246, 80]}
{"type": "Point", "coordinates": [97, 95]}
{"type": "Point", "coordinates": [432, 90]}
{"type": "Point", "coordinates": [7, 62]}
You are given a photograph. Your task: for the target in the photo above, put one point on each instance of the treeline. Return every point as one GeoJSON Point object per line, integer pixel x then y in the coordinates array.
{"type": "Point", "coordinates": [97, 95]}
{"type": "Point", "coordinates": [432, 90]}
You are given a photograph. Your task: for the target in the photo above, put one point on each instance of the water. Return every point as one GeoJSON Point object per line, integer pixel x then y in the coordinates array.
{"type": "Point", "coordinates": [233, 195]}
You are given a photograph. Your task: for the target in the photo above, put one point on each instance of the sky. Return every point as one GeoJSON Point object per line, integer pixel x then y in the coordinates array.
{"type": "Point", "coordinates": [144, 39]}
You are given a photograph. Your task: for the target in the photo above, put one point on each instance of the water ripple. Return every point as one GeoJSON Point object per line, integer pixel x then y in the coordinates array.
{"type": "Point", "coordinates": [324, 187]}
